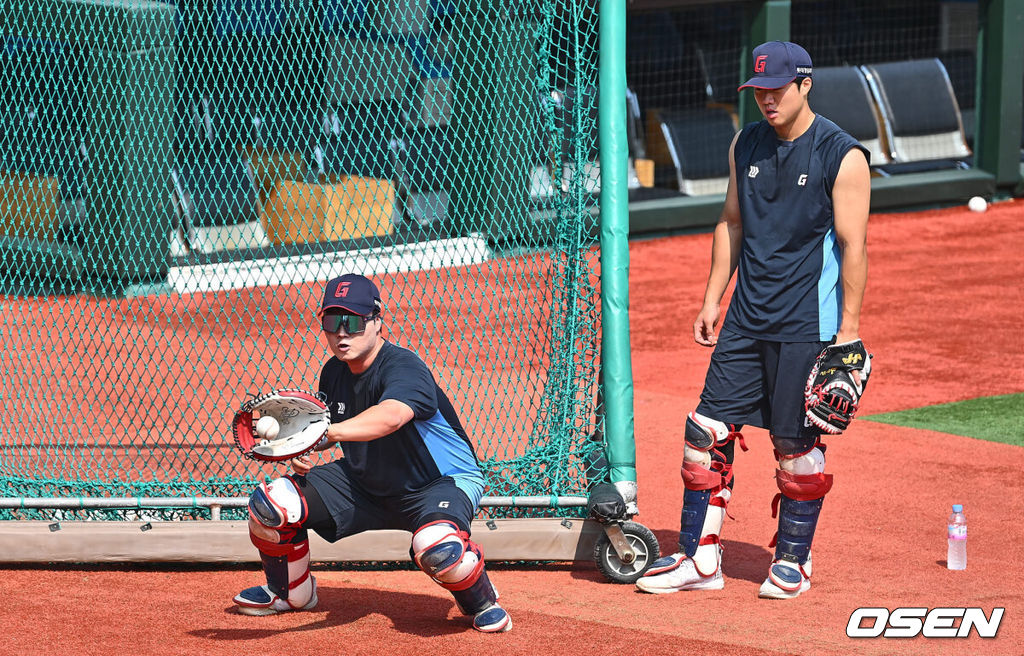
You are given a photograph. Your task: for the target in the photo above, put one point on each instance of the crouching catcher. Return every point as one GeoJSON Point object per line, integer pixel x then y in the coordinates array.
{"type": "Point", "coordinates": [408, 464]}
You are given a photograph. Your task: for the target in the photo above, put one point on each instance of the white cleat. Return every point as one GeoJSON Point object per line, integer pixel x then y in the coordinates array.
{"type": "Point", "coordinates": [786, 580]}
{"type": "Point", "coordinates": [676, 573]}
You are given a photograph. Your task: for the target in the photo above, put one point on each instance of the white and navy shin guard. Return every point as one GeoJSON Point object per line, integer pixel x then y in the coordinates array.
{"type": "Point", "coordinates": [276, 513]}
{"type": "Point", "coordinates": [707, 480]}
{"type": "Point", "coordinates": [802, 488]}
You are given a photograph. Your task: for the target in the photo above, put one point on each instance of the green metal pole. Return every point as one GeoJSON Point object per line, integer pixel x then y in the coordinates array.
{"type": "Point", "coordinates": [1000, 71]}
{"type": "Point", "coordinates": [614, 153]}
{"type": "Point", "coordinates": [766, 20]}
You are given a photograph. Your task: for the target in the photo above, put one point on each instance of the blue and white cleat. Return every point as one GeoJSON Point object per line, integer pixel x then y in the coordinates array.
{"type": "Point", "coordinates": [786, 580]}
{"type": "Point", "coordinates": [493, 619]}
{"type": "Point", "coordinates": [259, 600]}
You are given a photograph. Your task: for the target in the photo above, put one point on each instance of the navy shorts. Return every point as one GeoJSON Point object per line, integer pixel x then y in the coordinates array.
{"type": "Point", "coordinates": [759, 383]}
{"type": "Point", "coordinates": [339, 507]}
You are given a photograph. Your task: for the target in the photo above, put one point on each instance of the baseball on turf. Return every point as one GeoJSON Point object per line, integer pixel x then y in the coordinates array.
{"type": "Point", "coordinates": [267, 428]}
{"type": "Point", "coordinates": [977, 204]}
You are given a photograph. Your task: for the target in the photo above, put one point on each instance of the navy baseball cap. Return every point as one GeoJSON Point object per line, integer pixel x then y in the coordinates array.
{"type": "Point", "coordinates": [777, 63]}
{"type": "Point", "coordinates": [352, 292]}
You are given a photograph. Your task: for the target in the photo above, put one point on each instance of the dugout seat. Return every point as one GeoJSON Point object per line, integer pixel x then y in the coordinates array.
{"type": "Point", "coordinates": [660, 64]}
{"type": "Point", "coordinates": [589, 175]}
{"type": "Point", "coordinates": [841, 94]}
{"type": "Point", "coordinates": [961, 66]}
{"type": "Point", "coordinates": [221, 175]}
{"type": "Point", "coordinates": [698, 140]}
{"type": "Point", "coordinates": [355, 169]}
{"type": "Point", "coordinates": [426, 173]}
{"type": "Point", "coordinates": [919, 113]}
{"type": "Point", "coordinates": [216, 202]}
{"type": "Point", "coordinates": [431, 93]}
{"type": "Point", "coordinates": [426, 143]}
{"type": "Point", "coordinates": [360, 141]}
{"type": "Point", "coordinates": [367, 111]}
{"type": "Point", "coordinates": [720, 73]}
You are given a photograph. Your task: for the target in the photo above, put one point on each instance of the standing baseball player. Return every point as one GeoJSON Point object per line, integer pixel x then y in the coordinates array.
{"type": "Point", "coordinates": [794, 229]}
{"type": "Point", "coordinates": [408, 465]}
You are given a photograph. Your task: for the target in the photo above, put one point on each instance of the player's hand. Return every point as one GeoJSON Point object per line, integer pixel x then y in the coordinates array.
{"type": "Point", "coordinates": [704, 327]}
{"type": "Point", "coordinates": [301, 465]}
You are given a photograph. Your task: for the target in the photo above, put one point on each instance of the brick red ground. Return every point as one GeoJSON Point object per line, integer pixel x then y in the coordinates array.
{"type": "Point", "coordinates": [943, 315]}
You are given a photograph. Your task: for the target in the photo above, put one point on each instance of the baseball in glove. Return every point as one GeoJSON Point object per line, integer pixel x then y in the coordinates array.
{"type": "Point", "coordinates": [836, 384]}
{"type": "Point", "coordinates": [301, 426]}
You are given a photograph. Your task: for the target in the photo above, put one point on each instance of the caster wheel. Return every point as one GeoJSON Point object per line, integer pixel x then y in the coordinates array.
{"type": "Point", "coordinates": [644, 544]}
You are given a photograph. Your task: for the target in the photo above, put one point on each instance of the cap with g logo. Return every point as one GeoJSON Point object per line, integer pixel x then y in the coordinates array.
{"type": "Point", "coordinates": [777, 63]}
{"type": "Point", "coordinates": [352, 292]}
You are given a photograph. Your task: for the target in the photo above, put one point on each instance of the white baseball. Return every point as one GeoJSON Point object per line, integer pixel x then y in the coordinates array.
{"type": "Point", "coordinates": [977, 204]}
{"type": "Point", "coordinates": [267, 428]}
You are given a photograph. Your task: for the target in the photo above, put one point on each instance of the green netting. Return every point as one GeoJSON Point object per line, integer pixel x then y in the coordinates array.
{"type": "Point", "coordinates": [179, 180]}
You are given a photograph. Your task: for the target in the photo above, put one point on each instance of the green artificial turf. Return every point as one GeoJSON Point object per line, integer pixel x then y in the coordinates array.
{"type": "Point", "coordinates": [993, 418]}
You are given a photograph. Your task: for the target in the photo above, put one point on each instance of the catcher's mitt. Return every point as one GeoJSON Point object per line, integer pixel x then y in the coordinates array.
{"type": "Point", "coordinates": [303, 419]}
{"type": "Point", "coordinates": [836, 384]}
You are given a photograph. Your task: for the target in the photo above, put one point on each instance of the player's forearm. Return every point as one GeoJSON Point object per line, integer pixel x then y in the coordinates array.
{"type": "Point", "coordinates": [373, 423]}
{"type": "Point", "coordinates": [724, 257]}
{"type": "Point", "coordinates": [853, 275]}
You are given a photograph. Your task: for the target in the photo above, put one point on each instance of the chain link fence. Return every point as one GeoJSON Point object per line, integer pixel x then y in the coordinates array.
{"type": "Point", "coordinates": [179, 180]}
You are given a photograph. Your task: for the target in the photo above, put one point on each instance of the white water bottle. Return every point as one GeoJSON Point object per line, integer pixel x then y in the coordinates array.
{"type": "Point", "coordinates": [956, 536]}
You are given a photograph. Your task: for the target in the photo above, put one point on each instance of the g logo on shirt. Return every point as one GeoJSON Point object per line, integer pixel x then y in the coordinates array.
{"type": "Point", "coordinates": [802, 180]}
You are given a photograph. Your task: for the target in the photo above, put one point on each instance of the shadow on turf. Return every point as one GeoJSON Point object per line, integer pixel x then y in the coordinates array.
{"type": "Point", "coordinates": [414, 614]}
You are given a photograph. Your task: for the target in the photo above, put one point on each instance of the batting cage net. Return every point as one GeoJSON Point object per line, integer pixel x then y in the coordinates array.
{"type": "Point", "coordinates": [179, 180]}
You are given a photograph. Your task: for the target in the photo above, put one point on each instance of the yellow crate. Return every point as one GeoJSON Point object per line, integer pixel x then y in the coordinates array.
{"type": "Point", "coordinates": [29, 205]}
{"type": "Point", "coordinates": [351, 207]}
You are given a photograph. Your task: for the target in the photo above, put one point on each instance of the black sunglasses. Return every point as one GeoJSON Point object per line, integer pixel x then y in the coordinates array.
{"type": "Point", "coordinates": [353, 324]}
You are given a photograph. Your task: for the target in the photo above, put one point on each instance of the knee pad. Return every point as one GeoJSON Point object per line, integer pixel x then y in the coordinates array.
{"type": "Point", "coordinates": [278, 504]}
{"type": "Point", "coordinates": [454, 562]}
{"type": "Point", "coordinates": [703, 433]}
{"type": "Point", "coordinates": [447, 555]}
{"type": "Point", "coordinates": [707, 479]}
{"type": "Point", "coordinates": [801, 476]}
{"type": "Point", "coordinates": [707, 470]}
{"type": "Point", "coordinates": [276, 512]}
{"type": "Point", "coordinates": [708, 453]}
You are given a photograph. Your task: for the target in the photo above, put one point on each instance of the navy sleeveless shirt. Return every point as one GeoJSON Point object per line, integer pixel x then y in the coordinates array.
{"type": "Point", "coordinates": [787, 285]}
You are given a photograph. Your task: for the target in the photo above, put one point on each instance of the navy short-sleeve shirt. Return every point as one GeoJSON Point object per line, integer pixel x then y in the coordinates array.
{"type": "Point", "coordinates": [432, 445]}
